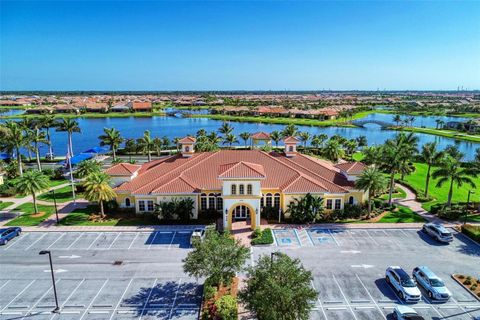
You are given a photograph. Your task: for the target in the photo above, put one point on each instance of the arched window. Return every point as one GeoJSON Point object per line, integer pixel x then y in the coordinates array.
{"type": "Point", "coordinates": [268, 202]}
{"type": "Point", "coordinates": [211, 201]}
{"type": "Point", "coordinates": [241, 189]}
{"type": "Point", "coordinates": [351, 200]}
{"type": "Point", "coordinates": [234, 189]}
{"type": "Point", "coordinates": [219, 203]}
{"type": "Point", "coordinates": [276, 200]}
{"type": "Point", "coordinates": [249, 189]}
{"type": "Point", "coordinates": [187, 149]}
{"type": "Point", "coordinates": [290, 148]}
{"type": "Point", "coordinates": [262, 201]}
{"type": "Point", "coordinates": [127, 202]}
{"type": "Point", "coordinates": [203, 202]}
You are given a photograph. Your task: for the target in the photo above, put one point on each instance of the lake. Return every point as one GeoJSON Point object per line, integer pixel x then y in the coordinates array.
{"type": "Point", "coordinates": [133, 127]}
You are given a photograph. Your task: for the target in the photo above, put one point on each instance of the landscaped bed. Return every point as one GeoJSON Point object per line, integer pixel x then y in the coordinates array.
{"type": "Point", "coordinates": [262, 237]}
{"type": "Point", "coordinates": [472, 231]}
{"type": "Point", "coordinates": [400, 215]}
{"type": "Point", "coordinates": [470, 283]}
{"type": "Point", "coordinates": [4, 205]}
{"type": "Point", "coordinates": [29, 218]}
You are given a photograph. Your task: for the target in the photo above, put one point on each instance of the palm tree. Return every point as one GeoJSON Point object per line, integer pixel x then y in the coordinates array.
{"type": "Point", "coordinates": [397, 119]}
{"type": "Point", "coordinates": [112, 138]}
{"type": "Point", "coordinates": [316, 142]}
{"type": "Point", "coordinates": [290, 131]}
{"type": "Point", "coordinates": [454, 152]}
{"type": "Point", "coordinates": [87, 167]}
{"type": "Point", "coordinates": [146, 144]}
{"type": "Point", "coordinates": [201, 133]}
{"type": "Point", "coordinates": [441, 123]}
{"type": "Point", "coordinates": [37, 138]}
{"type": "Point", "coordinates": [165, 142]}
{"type": "Point", "coordinates": [32, 182]}
{"type": "Point", "coordinates": [245, 136]}
{"type": "Point", "coordinates": [362, 141]}
{"type": "Point", "coordinates": [276, 137]}
{"type": "Point", "coordinates": [97, 188]}
{"type": "Point", "coordinates": [333, 151]}
{"type": "Point", "coordinates": [176, 142]}
{"type": "Point", "coordinates": [28, 125]}
{"type": "Point", "coordinates": [158, 145]}
{"type": "Point", "coordinates": [477, 156]}
{"type": "Point", "coordinates": [438, 123]}
{"type": "Point", "coordinates": [371, 180]}
{"type": "Point", "coordinates": [214, 138]}
{"type": "Point", "coordinates": [47, 122]}
{"type": "Point", "coordinates": [350, 147]}
{"type": "Point", "coordinates": [16, 140]}
{"type": "Point", "coordinates": [431, 156]}
{"type": "Point", "coordinates": [70, 126]}
{"type": "Point", "coordinates": [451, 170]}
{"type": "Point", "coordinates": [411, 119]}
{"type": "Point", "coordinates": [230, 139]}
{"type": "Point", "coordinates": [225, 129]}
{"type": "Point", "coordinates": [304, 136]}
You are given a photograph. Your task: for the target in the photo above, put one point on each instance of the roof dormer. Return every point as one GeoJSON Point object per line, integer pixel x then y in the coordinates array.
{"type": "Point", "coordinates": [290, 146]}
{"type": "Point", "coordinates": [187, 146]}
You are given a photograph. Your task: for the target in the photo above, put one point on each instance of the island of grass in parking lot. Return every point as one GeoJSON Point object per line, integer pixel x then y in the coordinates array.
{"type": "Point", "coordinates": [28, 217]}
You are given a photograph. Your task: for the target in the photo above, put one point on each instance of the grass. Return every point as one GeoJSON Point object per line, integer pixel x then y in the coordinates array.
{"type": "Point", "coordinates": [62, 195]}
{"type": "Point", "coordinates": [473, 218]}
{"type": "Point", "coordinates": [4, 205]}
{"type": "Point", "coordinates": [441, 132]}
{"type": "Point", "coordinates": [27, 218]}
{"type": "Point", "coordinates": [403, 215]}
{"type": "Point", "coordinates": [51, 184]}
{"type": "Point", "coordinates": [417, 182]}
{"type": "Point", "coordinates": [398, 194]}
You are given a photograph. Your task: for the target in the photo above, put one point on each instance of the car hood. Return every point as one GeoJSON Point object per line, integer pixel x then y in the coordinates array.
{"type": "Point", "coordinates": [414, 291]}
{"type": "Point", "coordinates": [442, 290]}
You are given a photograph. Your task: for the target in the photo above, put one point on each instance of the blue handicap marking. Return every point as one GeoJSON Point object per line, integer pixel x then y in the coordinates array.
{"type": "Point", "coordinates": [286, 240]}
{"type": "Point", "coordinates": [322, 239]}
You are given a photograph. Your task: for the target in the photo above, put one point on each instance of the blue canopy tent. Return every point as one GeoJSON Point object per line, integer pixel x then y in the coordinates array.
{"type": "Point", "coordinates": [4, 156]}
{"type": "Point", "coordinates": [78, 158]}
{"type": "Point", "coordinates": [97, 150]}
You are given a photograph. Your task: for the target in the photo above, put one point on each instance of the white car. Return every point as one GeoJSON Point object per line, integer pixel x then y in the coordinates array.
{"type": "Point", "coordinates": [402, 284]}
{"type": "Point", "coordinates": [406, 313]}
{"type": "Point", "coordinates": [438, 232]}
{"type": "Point", "coordinates": [197, 235]}
{"type": "Point", "coordinates": [434, 286]}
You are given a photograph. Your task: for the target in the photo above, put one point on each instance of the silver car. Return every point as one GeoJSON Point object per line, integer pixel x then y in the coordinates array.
{"type": "Point", "coordinates": [438, 232]}
{"type": "Point", "coordinates": [402, 284]}
{"type": "Point", "coordinates": [434, 286]}
{"type": "Point", "coordinates": [406, 313]}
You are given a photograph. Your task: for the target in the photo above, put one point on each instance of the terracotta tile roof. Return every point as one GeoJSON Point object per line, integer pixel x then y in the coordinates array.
{"type": "Point", "coordinates": [241, 170]}
{"type": "Point", "coordinates": [260, 136]}
{"type": "Point", "coordinates": [123, 169]}
{"type": "Point", "coordinates": [187, 139]}
{"type": "Point", "coordinates": [176, 174]}
{"type": "Point", "coordinates": [290, 140]}
{"type": "Point", "coordinates": [351, 167]}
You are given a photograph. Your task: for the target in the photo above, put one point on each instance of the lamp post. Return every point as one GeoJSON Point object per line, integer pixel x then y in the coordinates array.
{"type": "Point", "coordinates": [43, 252]}
{"type": "Point", "coordinates": [55, 203]}
{"type": "Point", "coordinates": [468, 205]}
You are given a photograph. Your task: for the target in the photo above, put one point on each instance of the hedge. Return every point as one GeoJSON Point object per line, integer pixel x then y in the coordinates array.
{"type": "Point", "coordinates": [262, 237]}
{"type": "Point", "coordinates": [471, 231]}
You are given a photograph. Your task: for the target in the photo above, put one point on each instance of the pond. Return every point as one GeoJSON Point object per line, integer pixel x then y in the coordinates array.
{"type": "Point", "coordinates": [420, 121]}
{"type": "Point", "coordinates": [11, 112]}
{"type": "Point", "coordinates": [133, 127]}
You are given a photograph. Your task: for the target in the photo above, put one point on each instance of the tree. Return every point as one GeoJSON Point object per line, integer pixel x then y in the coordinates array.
{"type": "Point", "coordinates": [361, 141]}
{"type": "Point", "coordinates": [214, 138]}
{"type": "Point", "coordinates": [372, 155]}
{"type": "Point", "coordinates": [431, 156]}
{"type": "Point", "coordinates": [176, 142]}
{"type": "Point", "coordinates": [225, 129]}
{"type": "Point", "coordinates": [290, 131]}
{"type": "Point", "coordinates": [453, 152]}
{"type": "Point", "coordinates": [32, 182]}
{"type": "Point", "coordinates": [111, 138]}
{"type": "Point", "coordinates": [307, 209]}
{"type": "Point", "coordinates": [397, 119]}
{"type": "Point", "coordinates": [230, 139]}
{"type": "Point", "coordinates": [47, 122]}
{"type": "Point", "coordinates": [304, 136]}
{"type": "Point", "coordinates": [333, 151]}
{"type": "Point", "coordinates": [245, 136]}
{"type": "Point", "coordinates": [146, 144]}
{"type": "Point", "coordinates": [451, 170]}
{"type": "Point", "coordinates": [217, 257]}
{"type": "Point", "coordinates": [276, 137]}
{"type": "Point", "coordinates": [70, 126]}
{"type": "Point", "coordinates": [37, 138]}
{"type": "Point", "coordinates": [279, 289]}
{"type": "Point", "coordinates": [371, 180]}
{"type": "Point", "coordinates": [15, 140]}
{"type": "Point", "coordinates": [350, 147]}
{"type": "Point", "coordinates": [88, 167]}
{"type": "Point", "coordinates": [97, 188]}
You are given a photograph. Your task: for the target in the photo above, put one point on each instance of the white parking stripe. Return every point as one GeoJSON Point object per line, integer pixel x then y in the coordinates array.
{"type": "Point", "coordinates": [131, 243]}
{"type": "Point", "coordinates": [374, 302]}
{"type": "Point", "coordinates": [319, 301]}
{"type": "Point", "coordinates": [25, 236]}
{"type": "Point", "coordinates": [69, 296]}
{"type": "Point", "coordinates": [6, 306]}
{"type": "Point", "coordinates": [91, 302]}
{"type": "Point", "coordinates": [121, 298]}
{"type": "Point", "coordinates": [36, 241]}
{"type": "Point", "coordinates": [148, 298]}
{"type": "Point", "coordinates": [353, 238]}
{"type": "Point", "coordinates": [334, 239]}
{"type": "Point", "coordinates": [43, 295]}
{"type": "Point", "coordinates": [118, 235]}
{"type": "Point", "coordinates": [344, 297]}
{"type": "Point", "coordinates": [3, 285]}
{"type": "Point", "coordinates": [56, 240]}
{"type": "Point", "coordinates": [91, 244]}
{"type": "Point", "coordinates": [173, 237]}
{"type": "Point", "coordinates": [175, 299]}
{"type": "Point", "coordinates": [370, 236]}
{"type": "Point", "coordinates": [79, 236]}
{"type": "Point", "coordinates": [153, 240]}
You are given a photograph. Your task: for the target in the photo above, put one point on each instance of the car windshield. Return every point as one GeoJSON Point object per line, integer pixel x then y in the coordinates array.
{"type": "Point", "coordinates": [446, 234]}
{"type": "Point", "coordinates": [408, 283]}
{"type": "Point", "coordinates": [413, 317]}
{"type": "Point", "coordinates": [437, 283]}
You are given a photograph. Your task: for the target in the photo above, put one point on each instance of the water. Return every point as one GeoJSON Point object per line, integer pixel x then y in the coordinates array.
{"type": "Point", "coordinates": [420, 121]}
{"type": "Point", "coordinates": [133, 127]}
{"type": "Point", "coordinates": [11, 112]}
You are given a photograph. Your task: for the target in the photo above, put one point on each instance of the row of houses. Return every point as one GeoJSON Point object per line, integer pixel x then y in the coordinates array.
{"type": "Point", "coordinates": [93, 107]}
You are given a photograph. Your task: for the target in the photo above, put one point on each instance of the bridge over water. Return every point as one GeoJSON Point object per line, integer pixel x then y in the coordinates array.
{"type": "Point", "coordinates": [362, 123]}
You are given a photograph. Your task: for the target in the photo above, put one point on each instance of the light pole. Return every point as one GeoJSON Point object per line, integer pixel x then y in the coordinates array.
{"type": "Point", "coordinates": [468, 206]}
{"type": "Point", "coordinates": [55, 203]}
{"type": "Point", "coordinates": [57, 308]}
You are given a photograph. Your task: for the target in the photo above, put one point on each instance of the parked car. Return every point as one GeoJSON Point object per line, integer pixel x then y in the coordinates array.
{"type": "Point", "coordinates": [402, 284]}
{"type": "Point", "coordinates": [434, 286]}
{"type": "Point", "coordinates": [406, 313]}
{"type": "Point", "coordinates": [438, 232]}
{"type": "Point", "coordinates": [8, 234]}
{"type": "Point", "coordinates": [197, 235]}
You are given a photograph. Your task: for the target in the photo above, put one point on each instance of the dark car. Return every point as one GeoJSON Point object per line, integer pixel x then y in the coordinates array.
{"type": "Point", "coordinates": [8, 234]}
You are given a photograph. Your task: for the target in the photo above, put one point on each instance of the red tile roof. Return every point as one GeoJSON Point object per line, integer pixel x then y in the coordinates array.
{"type": "Point", "coordinates": [351, 167]}
{"type": "Point", "coordinates": [203, 171]}
{"type": "Point", "coordinates": [260, 136]}
{"type": "Point", "coordinates": [123, 169]}
{"type": "Point", "coordinates": [187, 139]}
{"type": "Point", "coordinates": [290, 140]}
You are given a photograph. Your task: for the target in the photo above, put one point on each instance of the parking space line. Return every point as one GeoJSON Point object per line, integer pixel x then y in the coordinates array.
{"type": "Point", "coordinates": [118, 235]}
{"type": "Point", "coordinates": [18, 241]}
{"type": "Point", "coordinates": [153, 240]}
{"type": "Point", "coordinates": [79, 236]}
{"type": "Point", "coordinates": [353, 238]}
{"type": "Point", "coordinates": [93, 300]}
{"type": "Point", "coordinates": [175, 298]}
{"type": "Point", "coordinates": [370, 236]}
{"type": "Point", "coordinates": [91, 244]}
{"type": "Point", "coordinates": [393, 239]}
{"type": "Point", "coordinates": [121, 298]}
{"type": "Point", "coordinates": [69, 296]}
{"type": "Point", "coordinates": [131, 243]}
{"type": "Point", "coordinates": [298, 238]}
{"type": "Point", "coordinates": [3, 285]}
{"type": "Point", "coordinates": [56, 240]}
{"type": "Point", "coordinates": [40, 299]}
{"type": "Point", "coordinates": [35, 241]}
{"type": "Point", "coordinates": [173, 237]}
{"type": "Point", "coordinates": [344, 297]}
{"type": "Point", "coordinates": [6, 306]}
{"type": "Point", "coordinates": [148, 298]}
{"type": "Point", "coordinates": [371, 297]}
{"type": "Point", "coordinates": [318, 299]}
{"type": "Point", "coordinates": [334, 239]}
{"type": "Point", "coordinates": [460, 306]}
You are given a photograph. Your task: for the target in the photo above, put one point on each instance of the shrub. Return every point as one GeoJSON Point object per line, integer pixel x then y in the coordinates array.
{"type": "Point", "coordinates": [461, 276]}
{"type": "Point", "coordinates": [467, 282]}
{"type": "Point", "coordinates": [471, 231]}
{"type": "Point", "coordinates": [354, 211]}
{"type": "Point", "coordinates": [265, 237]}
{"type": "Point", "coordinates": [423, 199]}
{"type": "Point", "coordinates": [226, 307]}
{"type": "Point", "coordinates": [473, 287]}
{"type": "Point", "coordinates": [58, 174]}
{"type": "Point", "coordinates": [209, 292]}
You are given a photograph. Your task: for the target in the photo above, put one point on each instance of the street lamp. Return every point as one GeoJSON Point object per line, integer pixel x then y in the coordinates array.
{"type": "Point", "coordinates": [55, 203]}
{"type": "Point", "coordinates": [57, 308]}
{"type": "Point", "coordinates": [468, 205]}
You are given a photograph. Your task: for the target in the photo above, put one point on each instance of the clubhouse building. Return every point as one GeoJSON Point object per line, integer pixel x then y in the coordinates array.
{"type": "Point", "coordinates": [237, 183]}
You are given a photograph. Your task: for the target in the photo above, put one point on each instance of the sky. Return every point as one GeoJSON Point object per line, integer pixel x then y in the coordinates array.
{"type": "Point", "coordinates": [239, 45]}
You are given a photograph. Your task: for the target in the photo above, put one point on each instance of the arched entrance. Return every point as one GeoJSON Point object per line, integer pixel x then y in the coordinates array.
{"type": "Point", "coordinates": [242, 211]}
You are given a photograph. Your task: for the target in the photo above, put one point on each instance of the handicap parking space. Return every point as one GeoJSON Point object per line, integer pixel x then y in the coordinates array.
{"type": "Point", "coordinates": [321, 237]}
{"type": "Point", "coordinates": [286, 237]}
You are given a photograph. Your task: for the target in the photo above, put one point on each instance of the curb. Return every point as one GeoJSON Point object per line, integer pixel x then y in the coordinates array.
{"type": "Point", "coordinates": [463, 286]}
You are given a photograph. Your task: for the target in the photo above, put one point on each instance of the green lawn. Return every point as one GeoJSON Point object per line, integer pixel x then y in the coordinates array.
{"type": "Point", "coordinates": [443, 133]}
{"type": "Point", "coordinates": [26, 219]}
{"type": "Point", "coordinates": [474, 218]}
{"type": "Point", "coordinates": [3, 205]}
{"type": "Point", "coordinates": [403, 215]}
{"type": "Point", "coordinates": [62, 195]}
{"type": "Point", "coordinates": [52, 183]}
{"type": "Point", "coordinates": [417, 181]}
{"type": "Point", "coordinates": [399, 194]}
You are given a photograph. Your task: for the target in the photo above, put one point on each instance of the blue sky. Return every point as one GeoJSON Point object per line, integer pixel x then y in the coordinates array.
{"type": "Point", "coordinates": [228, 45]}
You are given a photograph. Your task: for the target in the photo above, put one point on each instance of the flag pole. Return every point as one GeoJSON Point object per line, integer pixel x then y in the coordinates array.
{"type": "Point", "coordinates": [71, 175]}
